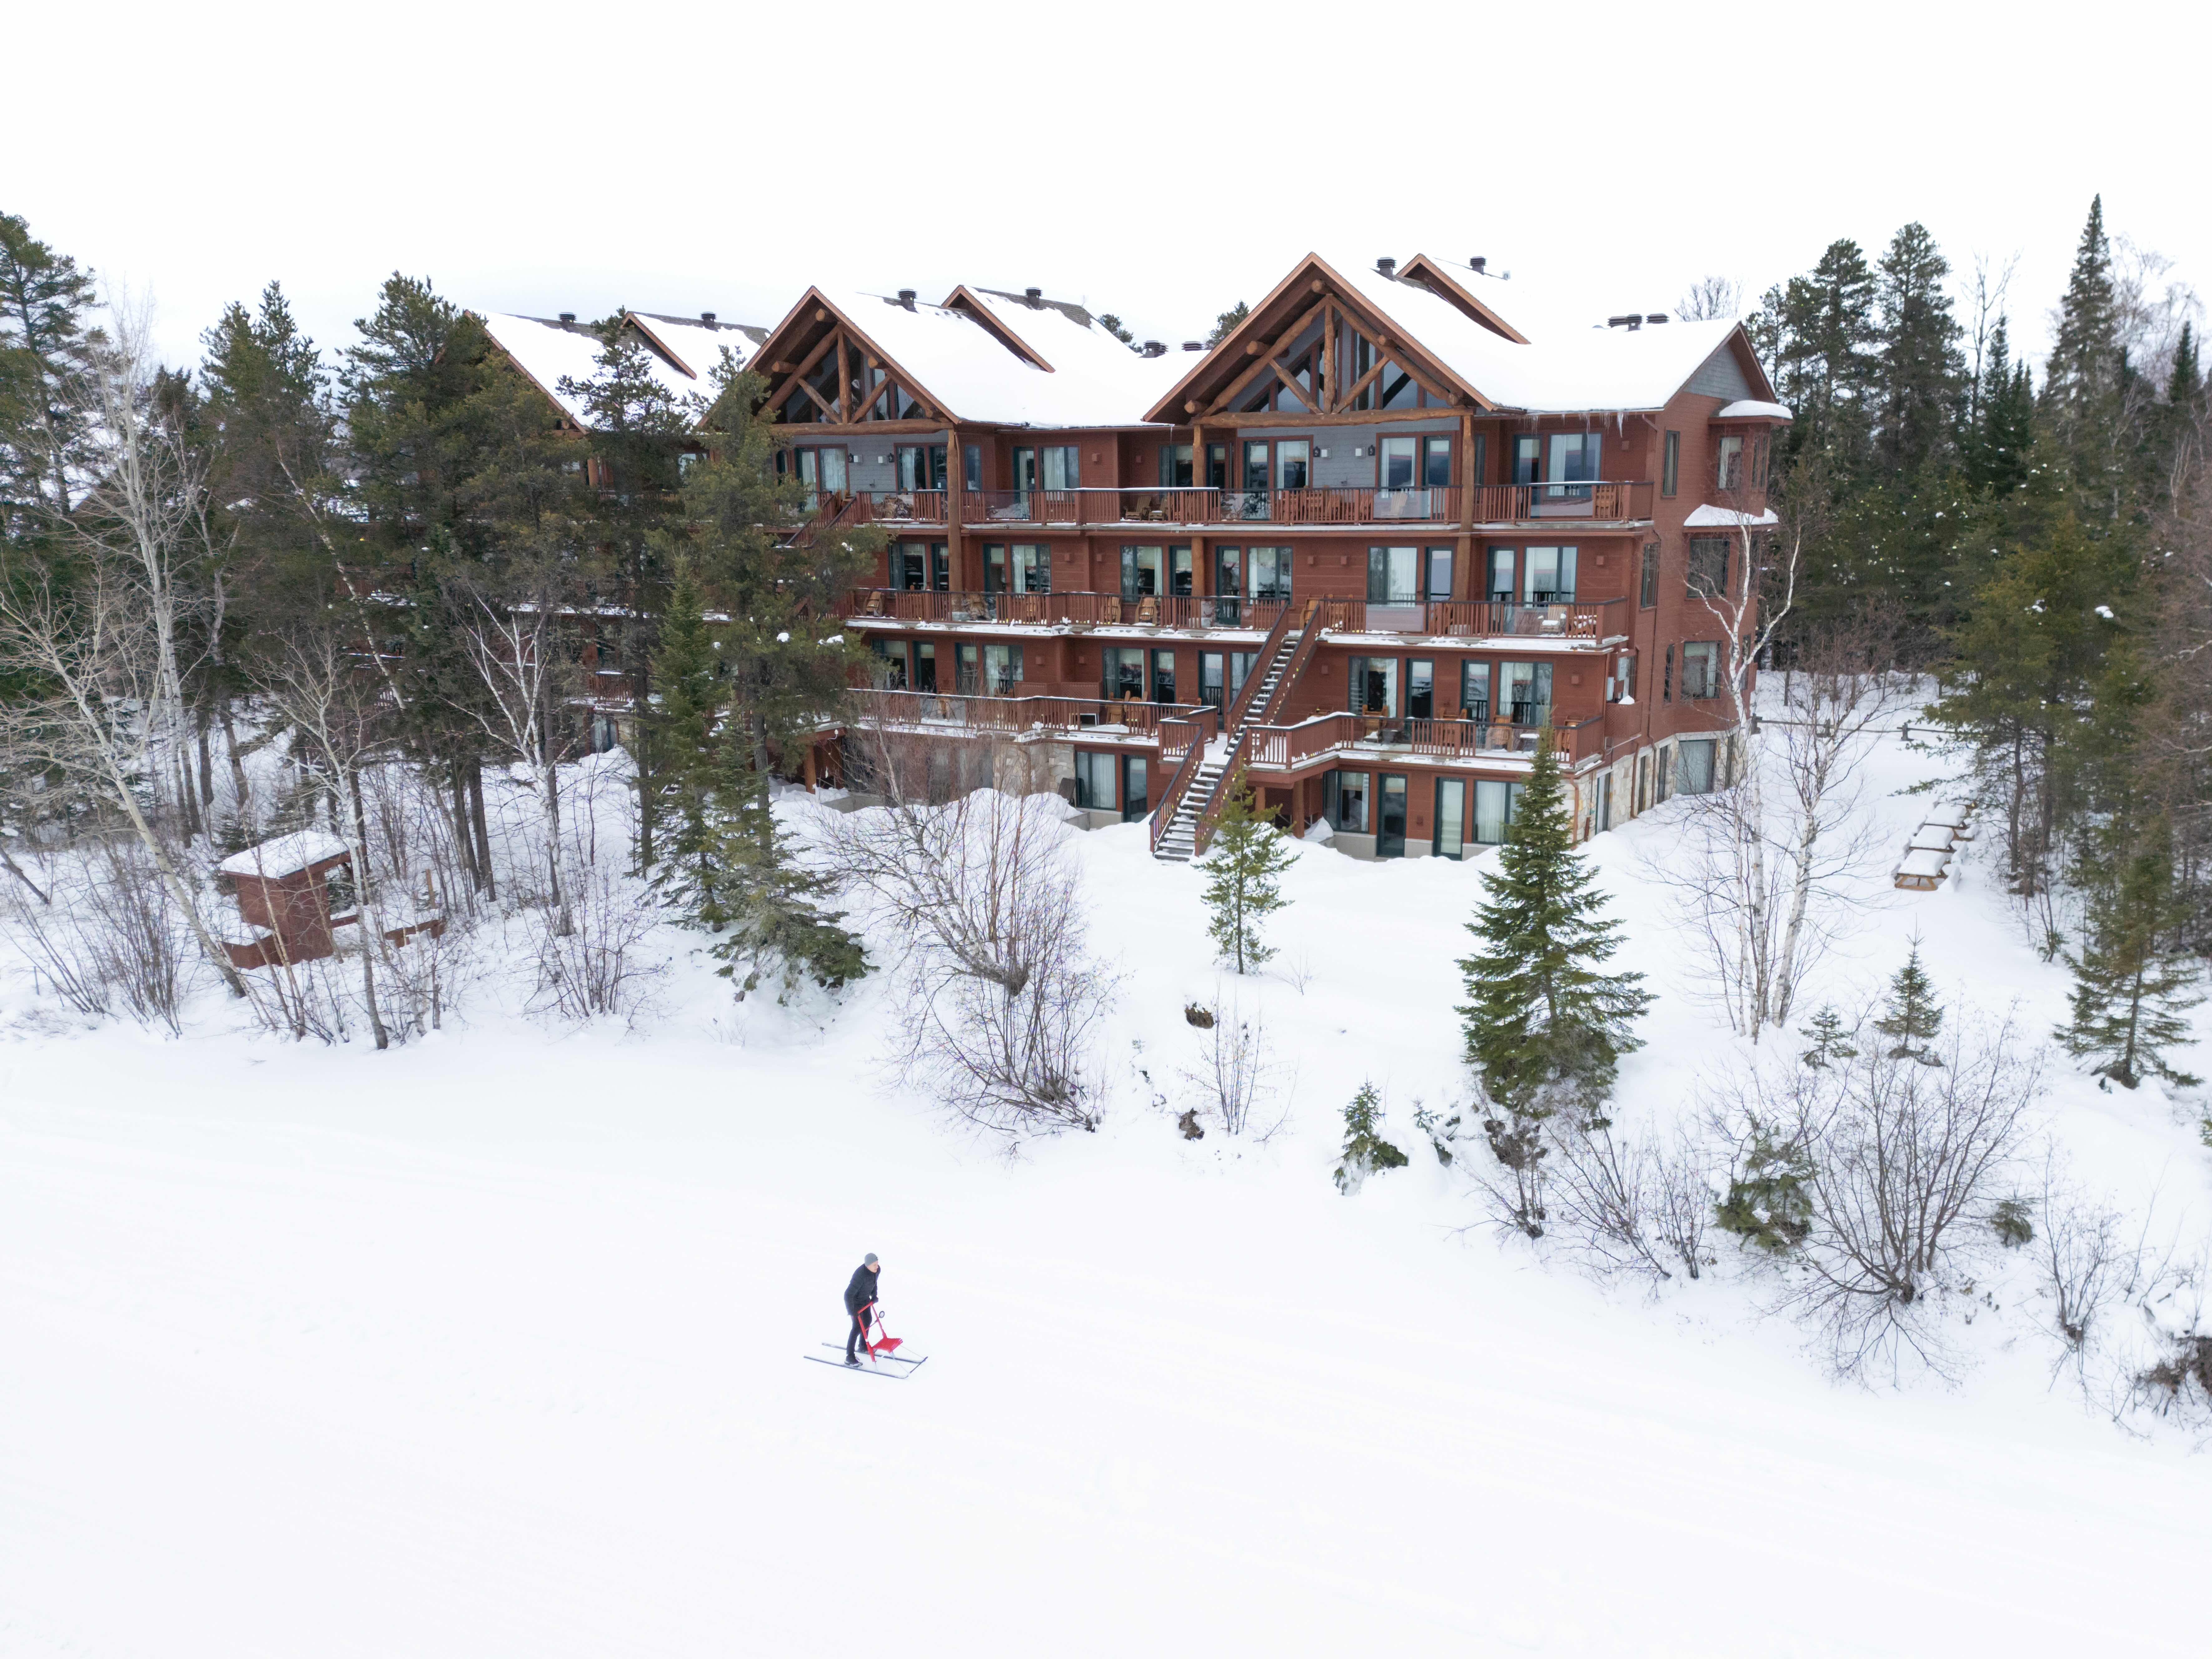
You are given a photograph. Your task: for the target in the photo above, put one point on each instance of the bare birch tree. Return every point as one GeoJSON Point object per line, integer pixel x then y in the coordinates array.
{"type": "Point", "coordinates": [516, 656]}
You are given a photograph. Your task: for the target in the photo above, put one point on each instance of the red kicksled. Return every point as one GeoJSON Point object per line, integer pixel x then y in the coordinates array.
{"type": "Point", "coordinates": [880, 1345]}
{"type": "Point", "coordinates": [886, 1347]}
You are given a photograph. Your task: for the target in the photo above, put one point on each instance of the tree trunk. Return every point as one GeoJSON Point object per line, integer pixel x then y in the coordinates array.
{"type": "Point", "coordinates": [16, 870]}
{"type": "Point", "coordinates": [237, 766]}
{"type": "Point", "coordinates": [207, 770]}
{"type": "Point", "coordinates": [482, 830]}
{"type": "Point", "coordinates": [366, 917]}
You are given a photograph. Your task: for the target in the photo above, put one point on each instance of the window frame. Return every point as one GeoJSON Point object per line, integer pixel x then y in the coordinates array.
{"type": "Point", "coordinates": [1648, 590]}
{"type": "Point", "coordinates": [1670, 464]}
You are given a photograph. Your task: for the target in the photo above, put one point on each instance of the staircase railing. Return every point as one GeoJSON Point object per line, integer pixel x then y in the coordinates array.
{"type": "Point", "coordinates": [1309, 641]}
{"type": "Point", "coordinates": [1262, 661]}
{"type": "Point", "coordinates": [1224, 786]}
{"type": "Point", "coordinates": [1171, 798]}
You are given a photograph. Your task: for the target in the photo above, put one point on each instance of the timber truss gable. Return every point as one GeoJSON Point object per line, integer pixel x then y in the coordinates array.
{"type": "Point", "coordinates": [823, 370]}
{"type": "Point", "coordinates": [1315, 348]}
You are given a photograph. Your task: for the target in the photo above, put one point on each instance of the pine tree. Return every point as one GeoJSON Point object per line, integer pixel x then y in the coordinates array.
{"type": "Point", "coordinates": [1766, 1204]}
{"type": "Point", "coordinates": [1225, 324]}
{"type": "Point", "coordinates": [1913, 1015]}
{"type": "Point", "coordinates": [1242, 867]}
{"type": "Point", "coordinates": [2083, 383]}
{"type": "Point", "coordinates": [768, 910]}
{"type": "Point", "coordinates": [687, 771]}
{"type": "Point", "coordinates": [1831, 1038]}
{"type": "Point", "coordinates": [1365, 1151]}
{"type": "Point", "coordinates": [1922, 367]}
{"type": "Point", "coordinates": [2133, 979]}
{"type": "Point", "coordinates": [1545, 1029]}
{"type": "Point", "coordinates": [1997, 449]}
{"type": "Point", "coordinates": [46, 343]}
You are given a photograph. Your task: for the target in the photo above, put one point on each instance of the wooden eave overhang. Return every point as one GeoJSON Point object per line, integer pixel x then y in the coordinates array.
{"type": "Point", "coordinates": [785, 365]}
{"type": "Point", "coordinates": [1251, 346]}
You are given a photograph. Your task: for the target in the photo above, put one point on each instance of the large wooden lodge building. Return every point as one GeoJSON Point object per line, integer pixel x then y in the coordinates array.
{"type": "Point", "coordinates": [1362, 548]}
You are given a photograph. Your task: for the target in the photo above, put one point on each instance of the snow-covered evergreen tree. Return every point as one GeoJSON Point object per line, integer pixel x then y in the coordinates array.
{"type": "Point", "coordinates": [1913, 1015]}
{"type": "Point", "coordinates": [1242, 868]}
{"type": "Point", "coordinates": [1365, 1151]}
{"type": "Point", "coordinates": [2133, 979]}
{"type": "Point", "coordinates": [1545, 1028]}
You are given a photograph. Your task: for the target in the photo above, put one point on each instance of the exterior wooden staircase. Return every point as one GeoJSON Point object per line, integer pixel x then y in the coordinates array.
{"type": "Point", "coordinates": [1183, 823]}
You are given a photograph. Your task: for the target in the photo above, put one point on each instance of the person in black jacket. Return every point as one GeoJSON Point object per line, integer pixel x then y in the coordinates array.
{"type": "Point", "coordinates": [860, 1300]}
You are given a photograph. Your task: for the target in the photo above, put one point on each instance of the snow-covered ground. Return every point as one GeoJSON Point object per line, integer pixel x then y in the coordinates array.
{"type": "Point", "coordinates": [490, 1346]}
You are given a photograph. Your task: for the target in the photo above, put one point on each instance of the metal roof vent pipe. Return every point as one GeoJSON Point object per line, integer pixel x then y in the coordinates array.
{"type": "Point", "coordinates": [906, 298]}
{"type": "Point", "coordinates": [707, 317]}
{"type": "Point", "coordinates": [1655, 317]}
{"type": "Point", "coordinates": [1478, 264]}
{"type": "Point", "coordinates": [1194, 345]}
{"type": "Point", "coordinates": [567, 316]}
{"type": "Point", "coordinates": [1156, 347]}
{"type": "Point", "coordinates": [1387, 267]}
{"type": "Point", "coordinates": [1034, 296]}
{"type": "Point", "coordinates": [1629, 321]}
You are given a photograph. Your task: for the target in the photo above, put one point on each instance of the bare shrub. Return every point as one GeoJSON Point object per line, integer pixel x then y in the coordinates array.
{"type": "Point", "coordinates": [982, 896]}
{"type": "Point", "coordinates": [1899, 1154]}
{"type": "Point", "coordinates": [107, 937]}
{"type": "Point", "coordinates": [597, 966]}
{"type": "Point", "coordinates": [1636, 1207]}
{"type": "Point", "coordinates": [1235, 1079]}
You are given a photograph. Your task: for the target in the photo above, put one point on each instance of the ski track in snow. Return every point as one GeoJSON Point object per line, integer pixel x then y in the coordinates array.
{"type": "Point", "coordinates": [489, 1346]}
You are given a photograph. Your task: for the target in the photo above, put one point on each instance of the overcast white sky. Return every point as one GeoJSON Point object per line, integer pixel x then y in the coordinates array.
{"type": "Point", "coordinates": [1157, 160]}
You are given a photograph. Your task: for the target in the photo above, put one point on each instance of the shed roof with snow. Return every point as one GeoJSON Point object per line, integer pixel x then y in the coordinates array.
{"type": "Point", "coordinates": [286, 856]}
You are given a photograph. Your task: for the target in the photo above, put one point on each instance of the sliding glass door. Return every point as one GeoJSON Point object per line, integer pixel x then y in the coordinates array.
{"type": "Point", "coordinates": [1451, 816]}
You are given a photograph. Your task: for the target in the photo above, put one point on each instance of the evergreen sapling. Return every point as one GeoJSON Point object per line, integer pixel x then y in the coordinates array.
{"type": "Point", "coordinates": [1241, 869]}
{"type": "Point", "coordinates": [1364, 1149]}
{"type": "Point", "coordinates": [1913, 1016]}
{"type": "Point", "coordinates": [2133, 981]}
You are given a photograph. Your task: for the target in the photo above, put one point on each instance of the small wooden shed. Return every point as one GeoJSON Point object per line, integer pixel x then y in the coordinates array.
{"type": "Point", "coordinates": [291, 893]}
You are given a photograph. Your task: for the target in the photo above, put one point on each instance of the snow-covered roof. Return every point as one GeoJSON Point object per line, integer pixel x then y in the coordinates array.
{"type": "Point", "coordinates": [1750, 408]}
{"type": "Point", "coordinates": [1571, 371]}
{"type": "Point", "coordinates": [1093, 380]}
{"type": "Point", "coordinates": [285, 856]}
{"type": "Point", "coordinates": [1709, 517]}
{"type": "Point", "coordinates": [697, 343]}
{"type": "Point", "coordinates": [548, 351]}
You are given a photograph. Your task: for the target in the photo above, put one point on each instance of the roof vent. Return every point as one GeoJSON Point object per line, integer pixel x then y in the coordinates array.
{"type": "Point", "coordinates": [906, 298]}
{"type": "Point", "coordinates": [1194, 345]}
{"type": "Point", "coordinates": [1156, 347]}
{"type": "Point", "coordinates": [1655, 317]}
{"type": "Point", "coordinates": [707, 317]}
{"type": "Point", "coordinates": [1034, 296]}
{"type": "Point", "coordinates": [1477, 265]}
{"type": "Point", "coordinates": [1629, 321]}
{"type": "Point", "coordinates": [567, 316]}
{"type": "Point", "coordinates": [1387, 267]}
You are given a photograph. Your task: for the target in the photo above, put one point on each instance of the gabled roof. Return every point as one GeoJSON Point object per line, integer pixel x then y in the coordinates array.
{"type": "Point", "coordinates": [985, 358]}
{"type": "Point", "coordinates": [1437, 324]}
{"type": "Point", "coordinates": [681, 351]}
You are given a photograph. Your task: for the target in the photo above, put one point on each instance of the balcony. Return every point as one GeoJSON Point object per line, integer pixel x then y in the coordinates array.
{"type": "Point", "coordinates": [1288, 748]}
{"type": "Point", "coordinates": [1583, 621]}
{"type": "Point", "coordinates": [1174, 725]}
{"type": "Point", "coordinates": [1542, 504]}
{"type": "Point", "coordinates": [1191, 508]}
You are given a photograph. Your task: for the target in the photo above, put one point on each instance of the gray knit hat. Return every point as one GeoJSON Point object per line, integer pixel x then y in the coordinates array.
{"type": "Point", "coordinates": [869, 1259]}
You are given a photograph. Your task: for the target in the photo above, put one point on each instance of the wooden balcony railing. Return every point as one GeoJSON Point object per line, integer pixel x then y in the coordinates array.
{"type": "Point", "coordinates": [1162, 721]}
{"type": "Point", "coordinates": [1589, 620]}
{"type": "Point", "coordinates": [885, 507]}
{"type": "Point", "coordinates": [1539, 503]}
{"type": "Point", "coordinates": [1317, 505]}
{"type": "Point", "coordinates": [1277, 748]}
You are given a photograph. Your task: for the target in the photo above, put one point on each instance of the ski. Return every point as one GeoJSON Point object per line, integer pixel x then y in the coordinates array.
{"type": "Point", "coordinates": [835, 1347]}
{"type": "Point", "coordinates": [873, 1371]}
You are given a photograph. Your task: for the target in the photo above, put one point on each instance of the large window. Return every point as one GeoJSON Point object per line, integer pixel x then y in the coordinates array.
{"type": "Point", "coordinates": [1372, 686]}
{"type": "Point", "coordinates": [1670, 464]}
{"type": "Point", "coordinates": [1394, 575]}
{"type": "Point", "coordinates": [890, 664]}
{"type": "Point", "coordinates": [1701, 669]}
{"type": "Point", "coordinates": [1002, 669]}
{"type": "Point", "coordinates": [1179, 570]}
{"type": "Point", "coordinates": [1548, 575]}
{"type": "Point", "coordinates": [1693, 766]}
{"type": "Point", "coordinates": [1144, 572]}
{"type": "Point", "coordinates": [1728, 463]}
{"type": "Point", "coordinates": [971, 462]}
{"type": "Point", "coordinates": [1709, 566]}
{"type": "Point", "coordinates": [1439, 584]}
{"type": "Point", "coordinates": [1175, 466]}
{"type": "Point", "coordinates": [1278, 463]}
{"type": "Point", "coordinates": [920, 566]}
{"type": "Point", "coordinates": [1500, 590]}
{"type": "Point", "coordinates": [821, 470]}
{"type": "Point", "coordinates": [1420, 689]}
{"type": "Point", "coordinates": [1163, 676]}
{"type": "Point", "coordinates": [1268, 573]}
{"type": "Point", "coordinates": [1054, 467]}
{"type": "Point", "coordinates": [1524, 692]}
{"type": "Point", "coordinates": [1650, 590]}
{"type": "Point", "coordinates": [1573, 460]}
{"type": "Point", "coordinates": [1344, 801]}
{"type": "Point", "coordinates": [922, 466]}
{"type": "Point", "coordinates": [1094, 780]}
{"type": "Point", "coordinates": [1528, 458]}
{"type": "Point", "coordinates": [925, 666]}
{"type": "Point", "coordinates": [1475, 691]}
{"type": "Point", "coordinates": [1415, 463]}
{"type": "Point", "coordinates": [1025, 567]}
{"type": "Point", "coordinates": [1122, 673]}
{"type": "Point", "coordinates": [1494, 802]}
